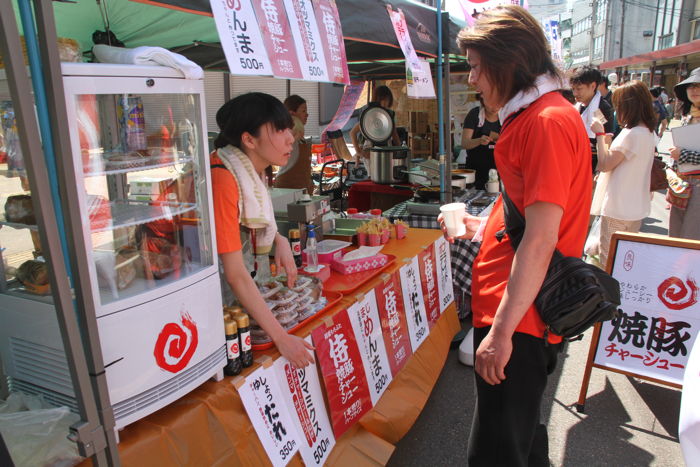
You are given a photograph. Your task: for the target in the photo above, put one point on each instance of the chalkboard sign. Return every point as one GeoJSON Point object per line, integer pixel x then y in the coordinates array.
{"type": "Point", "coordinates": [659, 317]}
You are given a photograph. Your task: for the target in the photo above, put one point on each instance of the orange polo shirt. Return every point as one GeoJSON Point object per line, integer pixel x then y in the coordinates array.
{"type": "Point", "coordinates": [543, 155]}
{"type": "Point", "coordinates": [224, 190]}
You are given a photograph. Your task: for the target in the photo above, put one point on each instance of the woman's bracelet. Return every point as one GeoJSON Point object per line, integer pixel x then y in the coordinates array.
{"type": "Point", "coordinates": [600, 134]}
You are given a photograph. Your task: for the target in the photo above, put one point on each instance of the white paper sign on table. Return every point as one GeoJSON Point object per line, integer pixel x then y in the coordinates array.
{"type": "Point", "coordinates": [419, 85]}
{"type": "Point", "coordinates": [307, 39]}
{"type": "Point", "coordinates": [364, 317]}
{"type": "Point", "coordinates": [267, 409]}
{"type": "Point", "coordinates": [302, 393]}
{"type": "Point", "coordinates": [240, 37]}
{"type": "Point", "coordinates": [444, 273]}
{"type": "Point", "coordinates": [413, 303]}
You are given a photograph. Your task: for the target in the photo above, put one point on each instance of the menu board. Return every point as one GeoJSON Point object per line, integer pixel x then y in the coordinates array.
{"type": "Point", "coordinates": [429, 281]}
{"type": "Point", "coordinates": [393, 322]}
{"type": "Point", "coordinates": [364, 318]}
{"type": "Point", "coordinates": [444, 273]}
{"type": "Point", "coordinates": [343, 375]}
{"type": "Point", "coordinates": [413, 303]}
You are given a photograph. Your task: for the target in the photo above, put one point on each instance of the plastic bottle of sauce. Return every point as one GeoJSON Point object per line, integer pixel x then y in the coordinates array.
{"type": "Point", "coordinates": [243, 323]}
{"type": "Point", "coordinates": [233, 349]}
{"type": "Point", "coordinates": [295, 243]}
{"type": "Point", "coordinates": [311, 251]}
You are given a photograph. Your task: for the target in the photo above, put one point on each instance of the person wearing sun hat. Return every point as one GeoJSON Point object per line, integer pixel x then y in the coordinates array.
{"type": "Point", "coordinates": [684, 220]}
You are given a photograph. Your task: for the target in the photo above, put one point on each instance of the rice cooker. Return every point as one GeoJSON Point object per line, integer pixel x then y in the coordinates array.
{"type": "Point", "coordinates": [387, 164]}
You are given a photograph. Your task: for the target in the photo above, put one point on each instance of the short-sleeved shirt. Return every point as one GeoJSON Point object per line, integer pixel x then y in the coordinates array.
{"type": "Point", "coordinates": [480, 158]}
{"type": "Point", "coordinates": [543, 155]}
{"type": "Point", "coordinates": [609, 126]}
{"type": "Point", "coordinates": [224, 190]}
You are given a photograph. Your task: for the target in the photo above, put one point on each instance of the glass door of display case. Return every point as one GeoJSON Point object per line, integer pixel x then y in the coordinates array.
{"type": "Point", "coordinates": [140, 156]}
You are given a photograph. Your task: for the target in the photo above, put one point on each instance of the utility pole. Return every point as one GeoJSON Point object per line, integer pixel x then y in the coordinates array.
{"type": "Point", "coordinates": [622, 28]}
{"type": "Point", "coordinates": [594, 14]}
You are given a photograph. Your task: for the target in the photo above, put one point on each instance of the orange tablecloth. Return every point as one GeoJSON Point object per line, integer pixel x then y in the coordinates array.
{"type": "Point", "coordinates": [209, 426]}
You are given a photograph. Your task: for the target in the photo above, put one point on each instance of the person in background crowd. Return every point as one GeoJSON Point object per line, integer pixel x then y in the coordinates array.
{"type": "Point", "coordinates": [663, 95]}
{"type": "Point", "coordinates": [670, 110]}
{"type": "Point", "coordinates": [684, 220]}
{"type": "Point", "coordinates": [659, 111]}
{"type": "Point", "coordinates": [584, 82]}
{"type": "Point", "coordinates": [255, 133]}
{"type": "Point", "coordinates": [540, 155]}
{"type": "Point", "coordinates": [481, 130]}
{"type": "Point", "coordinates": [626, 166]}
{"type": "Point", "coordinates": [604, 90]}
{"type": "Point", "coordinates": [297, 172]}
{"type": "Point", "coordinates": [382, 98]}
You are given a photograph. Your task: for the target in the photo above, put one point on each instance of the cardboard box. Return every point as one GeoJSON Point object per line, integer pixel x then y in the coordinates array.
{"type": "Point", "coordinates": [359, 265]}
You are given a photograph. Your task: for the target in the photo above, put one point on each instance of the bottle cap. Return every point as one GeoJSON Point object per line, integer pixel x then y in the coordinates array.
{"type": "Point", "coordinates": [376, 212]}
{"type": "Point", "coordinates": [311, 232]}
{"type": "Point", "coordinates": [241, 319]}
{"type": "Point", "coordinates": [293, 234]}
{"type": "Point", "coordinates": [352, 211]}
{"type": "Point", "coordinates": [231, 327]}
{"type": "Point", "coordinates": [233, 309]}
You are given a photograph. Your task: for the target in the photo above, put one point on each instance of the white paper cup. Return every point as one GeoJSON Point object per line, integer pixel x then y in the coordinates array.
{"type": "Point", "coordinates": [493, 187]}
{"type": "Point", "coordinates": [453, 216]}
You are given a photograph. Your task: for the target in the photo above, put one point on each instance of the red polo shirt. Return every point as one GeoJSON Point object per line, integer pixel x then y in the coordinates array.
{"type": "Point", "coordinates": [542, 155]}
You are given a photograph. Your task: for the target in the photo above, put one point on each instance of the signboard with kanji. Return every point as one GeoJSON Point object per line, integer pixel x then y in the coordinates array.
{"type": "Point", "coordinates": [444, 273]}
{"type": "Point", "coordinates": [278, 39]}
{"type": "Point", "coordinates": [332, 40]}
{"type": "Point", "coordinates": [267, 410]}
{"type": "Point", "coordinates": [429, 281]}
{"type": "Point", "coordinates": [342, 371]}
{"type": "Point", "coordinates": [393, 320]}
{"type": "Point", "coordinates": [307, 39]}
{"type": "Point", "coordinates": [364, 318]}
{"type": "Point", "coordinates": [413, 303]}
{"type": "Point", "coordinates": [659, 317]}
{"type": "Point", "coordinates": [302, 392]}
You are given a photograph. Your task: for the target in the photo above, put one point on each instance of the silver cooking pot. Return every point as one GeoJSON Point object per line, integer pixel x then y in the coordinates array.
{"type": "Point", "coordinates": [388, 164]}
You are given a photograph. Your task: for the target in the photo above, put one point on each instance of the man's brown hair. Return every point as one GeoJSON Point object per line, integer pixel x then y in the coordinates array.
{"type": "Point", "coordinates": [633, 103]}
{"type": "Point", "coordinates": [513, 48]}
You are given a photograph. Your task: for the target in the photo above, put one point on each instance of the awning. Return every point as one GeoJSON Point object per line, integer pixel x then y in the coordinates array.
{"type": "Point", "coordinates": [689, 48]}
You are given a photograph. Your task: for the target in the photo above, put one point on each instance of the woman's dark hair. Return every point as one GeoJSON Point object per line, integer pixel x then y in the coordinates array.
{"type": "Point", "coordinates": [513, 49]}
{"type": "Point", "coordinates": [383, 92]}
{"type": "Point", "coordinates": [247, 113]}
{"type": "Point", "coordinates": [293, 102]}
{"type": "Point", "coordinates": [633, 103]}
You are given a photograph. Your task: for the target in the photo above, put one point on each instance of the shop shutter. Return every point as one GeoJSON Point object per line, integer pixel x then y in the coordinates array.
{"type": "Point", "coordinates": [213, 97]}
{"type": "Point", "coordinates": [266, 84]}
{"type": "Point", "coordinates": [309, 91]}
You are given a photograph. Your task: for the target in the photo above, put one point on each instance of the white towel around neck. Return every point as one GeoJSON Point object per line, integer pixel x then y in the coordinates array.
{"type": "Point", "coordinates": [588, 112]}
{"type": "Point", "coordinates": [254, 202]}
{"type": "Point", "coordinates": [543, 84]}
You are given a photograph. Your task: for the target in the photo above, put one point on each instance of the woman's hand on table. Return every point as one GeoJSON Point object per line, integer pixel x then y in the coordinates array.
{"type": "Point", "coordinates": [285, 259]}
{"type": "Point", "coordinates": [295, 349]}
{"type": "Point", "coordinates": [472, 224]}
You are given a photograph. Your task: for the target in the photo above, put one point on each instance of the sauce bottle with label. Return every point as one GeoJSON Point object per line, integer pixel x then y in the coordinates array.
{"type": "Point", "coordinates": [233, 349]}
{"type": "Point", "coordinates": [295, 243]}
{"type": "Point", "coordinates": [243, 323]}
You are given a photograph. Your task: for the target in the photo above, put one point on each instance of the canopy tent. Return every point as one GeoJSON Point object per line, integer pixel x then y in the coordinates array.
{"type": "Point", "coordinates": [371, 46]}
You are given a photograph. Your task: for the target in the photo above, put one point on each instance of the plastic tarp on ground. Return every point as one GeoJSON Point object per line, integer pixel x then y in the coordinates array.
{"type": "Point", "coordinates": [367, 30]}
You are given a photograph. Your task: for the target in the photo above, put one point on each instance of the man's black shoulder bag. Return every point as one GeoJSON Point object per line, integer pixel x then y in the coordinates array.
{"type": "Point", "coordinates": [574, 295]}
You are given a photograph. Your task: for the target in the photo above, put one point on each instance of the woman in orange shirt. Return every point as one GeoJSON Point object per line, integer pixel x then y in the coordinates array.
{"type": "Point", "coordinates": [255, 133]}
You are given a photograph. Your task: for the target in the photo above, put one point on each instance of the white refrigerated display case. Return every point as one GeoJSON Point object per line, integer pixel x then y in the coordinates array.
{"type": "Point", "coordinates": [139, 149]}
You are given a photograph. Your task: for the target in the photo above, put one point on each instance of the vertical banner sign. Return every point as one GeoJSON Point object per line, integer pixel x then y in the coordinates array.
{"type": "Point", "coordinates": [393, 320]}
{"type": "Point", "coordinates": [415, 69]}
{"type": "Point", "coordinates": [429, 280]}
{"type": "Point", "coordinates": [551, 31]}
{"type": "Point", "coordinates": [347, 105]}
{"type": "Point", "coordinates": [332, 40]}
{"type": "Point", "coordinates": [420, 85]}
{"type": "Point", "coordinates": [444, 273]}
{"type": "Point", "coordinates": [659, 316]}
{"type": "Point", "coordinates": [307, 39]}
{"type": "Point", "coordinates": [342, 372]}
{"type": "Point", "coordinates": [267, 410]}
{"type": "Point", "coordinates": [364, 318]}
{"type": "Point", "coordinates": [240, 37]}
{"type": "Point", "coordinates": [302, 393]}
{"type": "Point", "coordinates": [413, 303]}
{"type": "Point", "coordinates": [277, 37]}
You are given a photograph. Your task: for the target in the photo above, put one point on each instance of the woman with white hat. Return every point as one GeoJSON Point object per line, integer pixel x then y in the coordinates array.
{"type": "Point", "coordinates": [684, 220]}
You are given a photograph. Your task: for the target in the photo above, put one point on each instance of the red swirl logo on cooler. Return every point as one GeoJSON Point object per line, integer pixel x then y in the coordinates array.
{"type": "Point", "coordinates": [176, 344]}
{"type": "Point", "coordinates": [676, 294]}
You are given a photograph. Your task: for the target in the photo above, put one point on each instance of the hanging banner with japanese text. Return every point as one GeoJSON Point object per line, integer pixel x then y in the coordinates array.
{"type": "Point", "coordinates": [429, 281]}
{"type": "Point", "coordinates": [364, 318]}
{"type": "Point", "coordinates": [393, 320]}
{"type": "Point", "coordinates": [659, 317]}
{"type": "Point", "coordinates": [267, 410]}
{"type": "Point", "coordinates": [342, 372]}
{"type": "Point", "coordinates": [240, 37]}
{"type": "Point", "coordinates": [413, 303]}
{"type": "Point", "coordinates": [307, 39]}
{"type": "Point", "coordinates": [551, 31]}
{"type": "Point", "coordinates": [332, 39]}
{"type": "Point", "coordinates": [277, 36]}
{"type": "Point", "coordinates": [444, 273]}
{"type": "Point", "coordinates": [302, 393]}
{"type": "Point", "coordinates": [347, 105]}
{"type": "Point", "coordinates": [420, 85]}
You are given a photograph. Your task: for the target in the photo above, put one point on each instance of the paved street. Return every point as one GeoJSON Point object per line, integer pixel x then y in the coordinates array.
{"type": "Point", "coordinates": [627, 421]}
